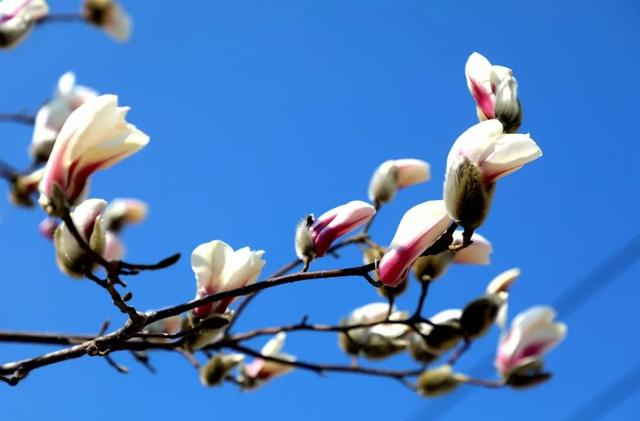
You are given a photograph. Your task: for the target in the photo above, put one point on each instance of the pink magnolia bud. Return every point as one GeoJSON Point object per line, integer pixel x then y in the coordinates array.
{"type": "Point", "coordinates": [108, 15]}
{"type": "Point", "coordinates": [17, 18]}
{"type": "Point", "coordinates": [495, 92]}
{"type": "Point", "coordinates": [531, 335]}
{"type": "Point", "coordinates": [393, 175]}
{"type": "Point", "coordinates": [71, 256]}
{"type": "Point", "coordinates": [219, 268]}
{"type": "Point", "coordinates": [478, 158]}
{"type": "Point", "coordinates": [94, 137]}
{"type": "Point", "coordinates": [52, 116]}
{"type": "Point", "coordinates": [121, 212]}
{"type": "Point", "coordinates": [314, 237]}
{"type": "Point", "coordinates": [419, 228]}
{"type": "Point", "coordinates": [260, 370]}
{"type": "Point", "coordinates": [47, 227]}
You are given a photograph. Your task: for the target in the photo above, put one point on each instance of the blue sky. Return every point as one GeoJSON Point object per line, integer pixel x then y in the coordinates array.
{"type": "Point", "coordinates": [260, 112]}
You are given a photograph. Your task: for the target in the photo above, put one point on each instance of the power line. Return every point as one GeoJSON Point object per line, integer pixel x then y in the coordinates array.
{"type": "Point", "coordinates": [567, 303]}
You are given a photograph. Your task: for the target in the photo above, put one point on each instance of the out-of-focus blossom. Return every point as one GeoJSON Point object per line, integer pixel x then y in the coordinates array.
{"type": "Point", "coordinates": [17, 18]}
{"type": "Point", "coordinates": [495, 92]}
{"type": "Point", "coordinates": [24, 187]}
{"type": "Point", "coordinates": [430, 268]}
{"type": "Point", "coordinates": [108, 15]}
{"type": "Point", "coordinates": [71, 257]}
{"type": "Point", "coordinates": [94, 137]}
{"type": "Point", "coordinates": [419, 228]}
{"type": "Point", "coordinates": [531, 335]}
{"type": "Point", "coordinates": [262, 370]}
{"type": "Point", "coordinates": [478, 316]}
{"type": "Point", "coordinates": [218, 268]}
{"type": "Point", "coordinates": [217, 368]}
{"type": "Point", "coordinates": [436, 338]}
{"type": "Point", "coordinates": [393, 175]}
{"type": "Point", "coordinates": [114, 248]}
{"type": "Point", "coordinates": [121, 212]}
{"type": "Point", "coordinates": [47, 227]}
{"type": "Point", "coordinates": [51, 116]}
{"type": "Point", "coordinates": [378, 341]}
{"type": "Point", "coordinates": [478, 158]}
{"type": "Point", "coordinates": [314, 236]}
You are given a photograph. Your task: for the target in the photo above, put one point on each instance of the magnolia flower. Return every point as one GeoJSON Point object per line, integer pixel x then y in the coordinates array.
{"type": "Point", "coordinates": [17, 18]}
{"type": "Point", "coordinates": [124, 211]}
{"type": "Point", "coordinates": [495, 92]}
{"type": "Point", "coordinates": [71, 257]}
{"type": "Point", "coordinates": [430, 268]}
{"type": "Point", "coordinates": [478, 158]}
{"type": "Point", "coordinates": [261, 370]}
{"type": "Point", "coordinates": [108, 15]}
{"type": "Point", "coordinates": [23, 188]}
{"type": "Point", "coordinates": [47, 227]}
{"type": "Point", "coordinates": [95, 136]}
{"type": "Point", "coordinates": [393, 175]}
{"type": "Point", "coordinates": [533, 333]}
{"type": "Point", "coordinates": [218, 268]}
{"type": "Point", "coordinates": [378, 341]}
{"type": "Point", "coordinates": [52, 116]}
{"type": "Point", "coordinates": [314, 236]}
{"type": "Point", "coordinates": [419, 228]}
{"type": "Point", "coordinates": [478, 316]}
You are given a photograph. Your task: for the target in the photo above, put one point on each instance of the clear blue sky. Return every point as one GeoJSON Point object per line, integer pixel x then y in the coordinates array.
{"type": "Point", "coordinates": [260, 112]}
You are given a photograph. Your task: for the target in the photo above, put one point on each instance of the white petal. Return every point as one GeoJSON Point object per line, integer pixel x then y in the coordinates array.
{"type": "Point", "coordinates": [208, 261]}
{"type": "Point", "coordinates": [509, 154]}
{"type": "Point", "coordinates": [274, 345]}
{"type": "Point", "coordinates": [477, 253]}
{"type": "Point", "coordinates": [503, 282]}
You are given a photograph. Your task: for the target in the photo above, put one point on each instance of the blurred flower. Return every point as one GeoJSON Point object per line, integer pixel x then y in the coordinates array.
{"type": "Point", "coordinates": [108, 15]}
{"type": "Point", "coordinates": [95, 136]}
{"type": "Point", "coordinates": [532, 334]}
{"type": "Point", "coordinates": [430, 268]}
{"type": "Point", "coordinates": [478, 316]}
{"type": "Point", "coordinates": [314, 236]}
{"type": "Point", "coordinates": [121, 212]}
{"type": "Point", "coordinates": [24, 187]}
{"type": "Point", "coordinates": [261, 370]}
{"type": "Point", "coordinates": [47, 227]}
{"type": "Point", "coordinates": [219, 268]}
{"type": "Point", "coordinates": [495, 92]}
{"type": "Point", "coordinates": [17, 18]}
{"type": "Point", "coordinates": [217, 368]}
{"type": "Point", "coordinates": [113, 246]}
{"type": "Point", "coordinates": [478, 158]}
{"type": "Point", "coordinates": [438, 381]}
{"type": "Point", "coordinates": [419, 228]}
{"type": "Point", "coordinates": [393, 175]}
{"type": "Point", "coordinates": [71, 257]}
{"type": "Point", "coordinates": [437, 338]}
{"type": "Point", "coordinates": [52, 115]}
{"type": "Point", "coordinates": [378, 341]}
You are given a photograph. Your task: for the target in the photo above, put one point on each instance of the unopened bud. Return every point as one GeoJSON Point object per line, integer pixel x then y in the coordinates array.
{"type": "Point", "coordinates": [378, 347]}
{"type": "Point", "coordinates": [71, 257]}
{"type": "Point", "coordinates": [430, 268]}
{"type": "Point", "coordinates": [304, 241]}
{"type": "Point", "coordinates": [479, 315]}
{"type": "Point", "coordinates": [217, 368]}
{"type": "Point", "coordinates": [437, 382]}
{"type": "Point", "coordinates": [208, 330]}
{"type": "Point", "coordinates": [108, 15]}
{"type": "Point", "coordinates": [528, 374]}
{"type": "Point", "coordinates": [467, 197]}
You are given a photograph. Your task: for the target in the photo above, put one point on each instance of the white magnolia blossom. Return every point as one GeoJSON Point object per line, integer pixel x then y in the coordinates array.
{"type": "Point", "coordinates": [393, 175]}
{"type": "Point", "coordinates": [51, 116]}
{"type": "Point", "coordinates": [532, 334]}
{"type": "Point", "coordinates": [217, 267]}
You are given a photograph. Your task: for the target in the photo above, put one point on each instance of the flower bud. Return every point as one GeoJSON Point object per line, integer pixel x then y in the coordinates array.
{"type": "Point", "coordinates": [114, 248]}
{"type": "Point", "coordinates": [479, 315]}
{"type": "Point", "coordinates": [71, 257]}
{"type": "Point", "coordinates": [108, 15]}
{"type": "Point", "coordinates": [528, 373]}
{"type": "Point", "coordinates": [315, 236]}
{"type": "Point", "coordinates": [24, 187]}
{"type": "Point", "coordinates": [437, 382]}
{"type": "Point", "coordinates": [17, 18]}
{"type": "Point", "coordinates": [217, 368]}
{"type": "Point", "coordinates": [438, 338]}
{"type": "Point", "coordinates": [379, 346]}
{"type": "Point", "coordinates": [419, 228]}
{"type": "Point", "coordinates": [478, 158]}
{"type": "Point", "coordinates": [396, 174]}
{"type": "Point", "coordinates": [121, 212]}
{"type": "Point", "coordinates": [207, 330]}
{"type": "Point", "coordinates": [495, 91]}
{"type": "Point", "coordinates": [47, 227]}
{"type": "Point", "coordinates": [373, 254]}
